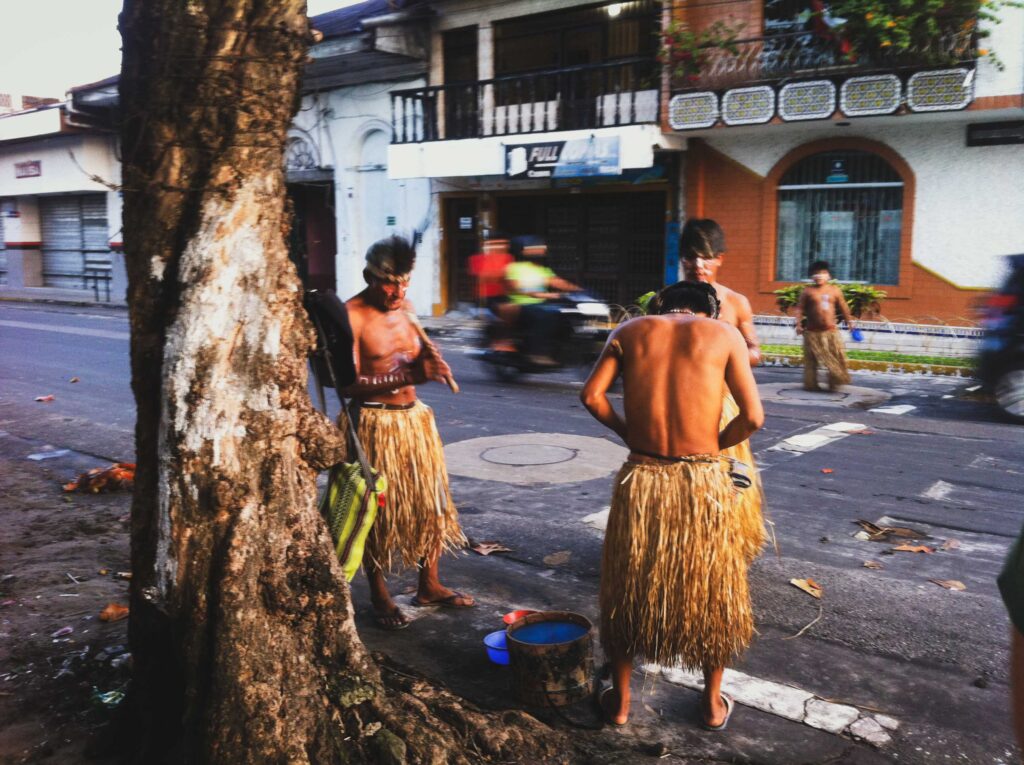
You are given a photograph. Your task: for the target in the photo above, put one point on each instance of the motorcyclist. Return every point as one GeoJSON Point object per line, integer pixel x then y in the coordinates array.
{"type": "Point", "coordinates": [530, 284]}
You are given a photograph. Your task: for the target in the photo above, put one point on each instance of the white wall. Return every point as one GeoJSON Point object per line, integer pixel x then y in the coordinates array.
{"type": "Point", "coordinates": [67, 163]}
{"type": "Point", "coordinates": [969, 205]}
{"type": "Point", "coordinates": [353, 129]}
{"type": "Point", "coordinates": [1006, 40]}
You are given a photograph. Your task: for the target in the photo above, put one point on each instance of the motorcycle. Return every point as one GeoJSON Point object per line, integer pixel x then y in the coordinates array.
{"type": "Point", "coordinates": [583, 325]}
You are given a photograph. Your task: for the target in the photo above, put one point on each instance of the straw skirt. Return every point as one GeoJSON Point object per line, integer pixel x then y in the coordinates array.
{"type": "Point", "coordinates": [824, 349]}
{"type": "Point", "coordinates": [418, 520]}
{"type": "Point", "coordinates": [751, 501]}
{"type": "Point", "coordinates": [674, 566]}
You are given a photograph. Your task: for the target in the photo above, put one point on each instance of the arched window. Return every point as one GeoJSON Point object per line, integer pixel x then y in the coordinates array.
{"type": "Point", "coordinates": [845, 207]}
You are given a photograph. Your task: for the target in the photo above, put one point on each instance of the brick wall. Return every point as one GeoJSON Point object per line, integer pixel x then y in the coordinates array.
{"type": "Point", "coordinates": [742, 202]}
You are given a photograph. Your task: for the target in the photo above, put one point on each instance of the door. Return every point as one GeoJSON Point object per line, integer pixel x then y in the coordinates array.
{"type": "Point", "coordinates": [312, 243]}
{"type": "Point", "coordinates": [74, 231]}
{"type": "Point", "coordinates": [461, 242]}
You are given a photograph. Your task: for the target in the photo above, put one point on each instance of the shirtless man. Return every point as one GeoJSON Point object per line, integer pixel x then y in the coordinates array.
{"type": "Point", "coordinates": [418, 520]}
{"type": "Point", "coordinates": [675, 486]}
{"type": "Point", "coordinates": [819, 303]}
{"type": "Point", "coordinates": [701, 249]}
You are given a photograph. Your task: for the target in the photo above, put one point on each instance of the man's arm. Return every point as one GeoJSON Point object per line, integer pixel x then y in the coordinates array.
{"type": "Point", "coordinates": [745, 321]}
{"type": "Point", "coordinates": [740, 379]}
{"type": "Point", "coordinates": [799, 311]}
{"type": "Point", "coordinates": [844, 309]}
{"type": "Point", "coordinates": [595, 391]}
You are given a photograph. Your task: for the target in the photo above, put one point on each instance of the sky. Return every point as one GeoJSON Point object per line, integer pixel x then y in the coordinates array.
{"type": "Point", "coordinates": [49, 46]}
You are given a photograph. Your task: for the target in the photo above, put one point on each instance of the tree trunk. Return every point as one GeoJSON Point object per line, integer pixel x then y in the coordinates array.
{"type": "Point", "coordinates": [241, 629]}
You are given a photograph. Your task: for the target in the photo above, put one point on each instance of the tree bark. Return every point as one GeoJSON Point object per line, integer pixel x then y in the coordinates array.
{"type": "Point", "coordinates": [241, 625]}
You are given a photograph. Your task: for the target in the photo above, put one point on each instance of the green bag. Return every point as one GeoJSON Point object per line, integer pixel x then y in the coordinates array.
{"type": "Point", "coordinates": [350, 511]}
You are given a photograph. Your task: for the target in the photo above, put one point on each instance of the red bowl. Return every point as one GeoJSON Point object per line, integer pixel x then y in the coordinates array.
{"type": "Point", "coordinates": [513, 616]}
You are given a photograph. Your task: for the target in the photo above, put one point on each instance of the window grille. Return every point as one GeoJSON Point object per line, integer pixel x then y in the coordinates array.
{"type": "Point", "coordinates": [845, 207]}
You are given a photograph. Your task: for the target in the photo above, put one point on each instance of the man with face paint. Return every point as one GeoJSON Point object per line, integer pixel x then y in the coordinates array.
{"type": "Point", "coordinates": [418, 520]}
{"type": "Point", "coordinates": [701, 248]}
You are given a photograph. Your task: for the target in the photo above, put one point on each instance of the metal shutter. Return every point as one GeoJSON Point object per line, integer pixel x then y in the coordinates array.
{"type": "Point", "coordinates": [74, 230]}
{"type": "Point", "coordinates": [3, 252]}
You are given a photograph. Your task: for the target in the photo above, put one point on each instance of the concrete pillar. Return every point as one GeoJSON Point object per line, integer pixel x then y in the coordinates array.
{"type": "Point", "coordinates": [485, 71]}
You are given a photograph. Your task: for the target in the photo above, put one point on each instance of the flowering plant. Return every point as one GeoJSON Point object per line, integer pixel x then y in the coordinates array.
{"type": "Point", "coordinates": [686, 51]}
{"type": "Point", "coordinates": [939, 32]}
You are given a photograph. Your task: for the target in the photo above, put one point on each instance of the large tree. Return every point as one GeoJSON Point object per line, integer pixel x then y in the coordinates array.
{"type": "Point", "coordinates": [241, 625]}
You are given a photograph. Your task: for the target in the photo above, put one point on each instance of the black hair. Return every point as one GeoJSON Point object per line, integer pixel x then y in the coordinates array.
{"type": "Point", "coordinates": [389, 259]}
{"type": "Point", "coordinates": [701, 238]}
{"type": "Point", "coordinates": [818, 265]}
{"type": "Point", "coordinates": [699, 297]}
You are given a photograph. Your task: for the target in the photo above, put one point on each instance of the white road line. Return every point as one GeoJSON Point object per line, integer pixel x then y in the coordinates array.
{"type": "Point", "coordinates": [827, 434]}
{"type": "Point", "coordinates": [104, 333]}
{"type": "Point", "coordinates": [791, 703]}
{"type": "Point", "coordinates": [938, 490]}
{"type": "Point", "coordinates": [894, 409]}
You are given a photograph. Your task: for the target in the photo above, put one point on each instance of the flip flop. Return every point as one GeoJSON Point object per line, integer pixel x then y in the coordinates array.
{"type": "Point", "coordinates": [388, 622]}
{"type": "Point", "coordinates": [449, 602]}
{"type": "Point", "coordinates": [602, 687]}
{"type": "Point", "coordinates": [730, 704]}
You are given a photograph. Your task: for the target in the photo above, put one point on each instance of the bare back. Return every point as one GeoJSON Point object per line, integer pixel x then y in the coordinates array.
{"type": "Point", "coordinates": [674, 371]}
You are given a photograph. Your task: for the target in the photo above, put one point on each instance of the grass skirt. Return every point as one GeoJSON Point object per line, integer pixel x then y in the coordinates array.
{"type": "Point", "coordinates": [751, 501]}
{"type": "Point", "coordinates": [825, 349]}
{"type": "Point", "coordinates": [673, 571]}
{"type": "Point", "coordinates": [418, 519]}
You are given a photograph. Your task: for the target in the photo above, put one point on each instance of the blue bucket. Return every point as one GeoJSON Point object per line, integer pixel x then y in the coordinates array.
{"type": "Point", "coordinates": [497, 647]}
{"type": "Point", "coordinates": [857, 335]}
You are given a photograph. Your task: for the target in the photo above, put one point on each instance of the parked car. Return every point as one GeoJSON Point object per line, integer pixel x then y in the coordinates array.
{"type": "Point", "coordinates": [1001, 360]}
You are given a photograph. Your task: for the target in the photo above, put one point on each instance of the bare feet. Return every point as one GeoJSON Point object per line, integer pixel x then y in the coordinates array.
{"type": "Point", "coordinates": [390, 617]}
{"type": "Point", "coordinates": [716, 711]}
{"type": "Point", "coordinates": [443, 597]}
{"type": "Point", "coordinates": [613, 710]}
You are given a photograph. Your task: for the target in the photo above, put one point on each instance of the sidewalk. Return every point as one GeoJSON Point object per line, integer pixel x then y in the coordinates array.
{"type": "Point", "coordinates": [58, 296]}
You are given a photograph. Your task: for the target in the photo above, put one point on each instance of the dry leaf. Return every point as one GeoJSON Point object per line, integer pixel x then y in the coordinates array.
{"type": "Point", "coordinates": [486, 548]}
{"type": "Point", "coordinates": [123, 575]}
{"type": "Point", "coordinates": [864, 432]}
{"type": "Point", "coordinates": [914, 548]}
{"type": "Point", "coordinates": [557, 558]}
{"type": "Point", "coordinates": [104, 571]}
{"type": "Point", "coordinates": [872, 564]}
{"type": "Point", "coordinates": [114, 612]}
{"type": "Point", "coordinates": [809, 586]}
{"type": "Point", "coordinates": [46, 399]}
{"type": "Point", "coordinates": [73, 380]}
{"type": "Point", "coordinates": [950, 584]}
{"type": "Point", "coordinates": [826, 470]}
{"type": "Point", "coordinates": [950, 544]}
{"type": "Point", "coordinates": [879, 533]}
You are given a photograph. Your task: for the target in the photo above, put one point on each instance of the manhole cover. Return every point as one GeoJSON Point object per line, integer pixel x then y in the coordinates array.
{"type": "Point", "coordinates": [518, 455]}
{"type": "Point", "coordinates": [810, 395]}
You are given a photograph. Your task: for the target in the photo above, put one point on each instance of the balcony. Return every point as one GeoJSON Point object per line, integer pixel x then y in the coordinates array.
{"type": "Point", "coordinates": [807, 76]}
{"type": "Point", "coordinates": [572, 98]}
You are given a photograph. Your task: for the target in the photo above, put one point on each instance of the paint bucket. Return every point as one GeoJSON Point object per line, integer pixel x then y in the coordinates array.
{"type": "Point", "coordinates": [497, 648]}
{"type": "Point", "coordinates": [552, 658]}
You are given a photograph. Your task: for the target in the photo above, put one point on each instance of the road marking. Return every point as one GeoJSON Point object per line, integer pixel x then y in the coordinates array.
{"type": "Point", "coordinates": [104, 333]}
{"type": "Point", "coordinates": [895, 409]}
{"type": "Point", "coordinates": [791, 703]}
{"type": "Point", "coordinates": [598, 520]}
{"type": "Point", "coordinates": [938, 490]}
{"type": "Point", "coordinates": [826, 434]}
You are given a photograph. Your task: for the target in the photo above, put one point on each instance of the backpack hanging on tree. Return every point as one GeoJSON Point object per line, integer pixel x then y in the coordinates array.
{"type": "Point", "coordinates": [355, 491]}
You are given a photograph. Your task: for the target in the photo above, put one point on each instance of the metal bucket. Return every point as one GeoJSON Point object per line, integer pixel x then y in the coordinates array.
{"type": "Point", "coordinates": [552, 659]}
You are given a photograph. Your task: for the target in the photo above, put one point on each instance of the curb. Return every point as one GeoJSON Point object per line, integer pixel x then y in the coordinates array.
{"type": "Point", "coordinates": [60, 301]}
{"type": "Point", "coordinates": [901, 367]}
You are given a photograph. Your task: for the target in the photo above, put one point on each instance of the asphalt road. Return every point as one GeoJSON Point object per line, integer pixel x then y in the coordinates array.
{"type": "Point", "coordinates": [888, 640]}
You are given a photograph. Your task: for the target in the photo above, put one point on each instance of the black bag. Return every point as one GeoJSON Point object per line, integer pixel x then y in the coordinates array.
{"type": "Point", "coordinates": [334, 339]}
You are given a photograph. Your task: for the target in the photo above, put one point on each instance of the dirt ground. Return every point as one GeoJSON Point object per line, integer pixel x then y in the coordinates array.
{"type": "Point", "coordinates": [60, 557]}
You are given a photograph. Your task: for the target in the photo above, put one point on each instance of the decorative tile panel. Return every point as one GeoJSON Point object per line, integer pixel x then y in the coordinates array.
{"type": "Point", "coordinates": [814, 100]}
{"type": "Point", "coordinates": [945, 90]}
{"type": "Point", "coordinates": [865, 96]}
{"type": "Point", "coordinates": [689, 111]}
{"type": "Point", "coordinates": [748, 106]}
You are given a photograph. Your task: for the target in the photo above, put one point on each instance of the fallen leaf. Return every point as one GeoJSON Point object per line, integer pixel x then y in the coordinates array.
{"type": "Point", "coordinates": [872, 564]}
{"type": "Point", "coordinates": [950, 544]}
{"type": "Point", "coordinates": [864, 432]}
{"type": "Point", "coordinates": [557, 558]}
{"type": "Point", "coordinates": [949, 584]}
{"type": "Point", "coordinates": [914, 548]}
{"type": "Point", "coordinates": [486, 548]}
{"type": "Point", "coordinates": [103, 571]}
{"type": "Point", "coordinates": [62, 632]}
{"type": "Point", "coordinates": [826, 470]}
{"type": "Point", "coordinates": [123, 575]}
{"type": "Point", "coordinates": [114, 612]}
{"type": "Point", "coordinates": [880, 533]}
{"type": "Point", "coordinates": [46, 399]}
{"type": "Point", "coordinates": [120, 475]}
{"type": "Point", "coordinates": [73, 380]}
{"type": "Point", "coordinates": [809, 586]}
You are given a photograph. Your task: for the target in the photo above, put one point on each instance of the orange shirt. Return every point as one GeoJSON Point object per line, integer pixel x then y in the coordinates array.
{"type": "Point", "coordinates": [489, 270]}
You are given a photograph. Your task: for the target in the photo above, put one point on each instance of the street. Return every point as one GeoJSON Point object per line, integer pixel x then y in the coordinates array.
{"type": "Point", "coordinates": [922, 667]}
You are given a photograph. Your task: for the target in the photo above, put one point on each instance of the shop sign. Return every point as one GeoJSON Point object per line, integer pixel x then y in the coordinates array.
{"type": "Point", "coordinates": [995, 133]}
{"type": "Point", "coordinates": [466, 224]}
{"type": "Point", "coordinates": [837, 174]}
{"type": "Point", "coordinates": [31, 169]}
{"type": "Point", "coordinates": [577, 158]}
{"type": "Point", "coordinates": [390, 220]}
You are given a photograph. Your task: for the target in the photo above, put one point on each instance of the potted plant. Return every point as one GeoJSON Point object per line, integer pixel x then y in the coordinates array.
{"type": "Point", "coordinates": [686, 52]}
{"type": "Point", "coordinates": [862, 298]}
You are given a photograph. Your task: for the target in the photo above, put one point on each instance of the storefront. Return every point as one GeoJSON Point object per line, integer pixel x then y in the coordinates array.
{"type": "Point", "coordinates": [73, 238]}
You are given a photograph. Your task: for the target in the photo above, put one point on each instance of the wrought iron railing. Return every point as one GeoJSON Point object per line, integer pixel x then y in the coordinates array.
{"type": "Point", "coordinates": [802, 54]}
{"type": "Point", "coordinates": [573, 98]}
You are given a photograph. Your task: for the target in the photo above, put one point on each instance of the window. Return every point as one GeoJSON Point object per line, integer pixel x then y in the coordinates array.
{"type": "Point", "coordinates": [845, 207]}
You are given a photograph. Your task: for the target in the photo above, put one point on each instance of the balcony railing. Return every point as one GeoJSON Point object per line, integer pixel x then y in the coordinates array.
{"type": "Point", "coordinates": [806, 54]}
{"type": "Point", "coordinates": [574, 98]}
